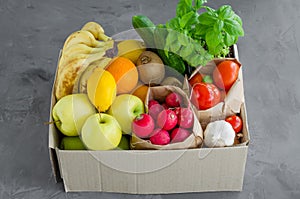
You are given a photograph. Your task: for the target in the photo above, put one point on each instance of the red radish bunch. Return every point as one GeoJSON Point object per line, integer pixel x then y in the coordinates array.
{"type": "Point", "coordinates": [172, 121]}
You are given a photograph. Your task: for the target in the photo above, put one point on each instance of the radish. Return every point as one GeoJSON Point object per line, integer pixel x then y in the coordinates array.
{"type": "Point", "coordinates": [173, 99]}
{"type": "Point", "coordinates": [179, 135]}
{"type": "Point", "coordinates": [160, 137]}
{"type": "Point", "coordinates": [185, 118]}
{"type": "Point", "coordinates": [151, 103]}
{"type": "Point", "coordinates": [165, 106]}
{"type": "Point", "coordinates": [155, 109]}
{"type": "Point", "coordinates": [177, 112]}
{"type": "Point", "coordinates": [143, 125]}
{"type": "Point", "coordinates": [167, 119]}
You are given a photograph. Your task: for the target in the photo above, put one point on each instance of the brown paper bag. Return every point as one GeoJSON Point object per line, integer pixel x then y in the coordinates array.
{"type": "Point", "coordinates": [195, 140]}
{"type": "Point", "coordinates": [232, 102]}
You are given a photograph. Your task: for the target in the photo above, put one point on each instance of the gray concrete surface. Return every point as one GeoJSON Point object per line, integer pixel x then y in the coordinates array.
{"type": "Point", "coordinates": [32, 32]}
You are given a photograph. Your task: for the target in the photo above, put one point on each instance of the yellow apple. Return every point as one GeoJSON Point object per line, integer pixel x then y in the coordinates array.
{"type": "Point", "coordinates": [101, 132]}
{"type": "Point", "coordinates": [70, 113]}
{"type": "Point", "coordinates": [125, 108]}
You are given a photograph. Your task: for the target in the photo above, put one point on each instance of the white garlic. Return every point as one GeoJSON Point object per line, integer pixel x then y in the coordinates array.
{"type": "Point", "coordinates": [219, 134]}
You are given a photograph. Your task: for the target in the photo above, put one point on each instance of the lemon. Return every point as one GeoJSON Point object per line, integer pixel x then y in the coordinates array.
{"type": "Point", "coordinates": [101, 89]}
{"type": "Point", "coordinates": [131, 49]}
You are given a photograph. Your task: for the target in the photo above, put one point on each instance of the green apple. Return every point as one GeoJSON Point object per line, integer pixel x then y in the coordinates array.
{"type": "Point", "coordinates": [125, 108]}
{"type": "Point", "coordinates": [71, 143]}
{"type": "Point", "coordinates": [70, 113]}
{"type": "Point", "coordinates": [101, 132]}
{"type": "Point", "coordinates": [124, 143]}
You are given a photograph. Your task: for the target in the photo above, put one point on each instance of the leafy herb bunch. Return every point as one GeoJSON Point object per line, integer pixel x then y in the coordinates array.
{"type": "Point", "coordinates": [199, 37]}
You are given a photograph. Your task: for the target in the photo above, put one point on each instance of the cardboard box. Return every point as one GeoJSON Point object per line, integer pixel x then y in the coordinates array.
{"type": "Point", "coordinates": [150, 171]}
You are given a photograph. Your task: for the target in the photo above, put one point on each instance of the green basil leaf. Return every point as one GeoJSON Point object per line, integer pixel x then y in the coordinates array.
{"type": "Point", "coordinates": [183, 39]}
{"type": "Point", "coordinates": [186, 51]}
{"type": "Point", "coordinates": [207, 19]}
{"type": "Point", "coordinates": [171, 38]}
{"type": "Point", "coordinates": [238, 19]}
{"type": "Point", "coordinates": [228, 39]}
{"type": "Point", "coordinates": [198, 4]}
{"type": "Point", "coordinates": [183, 7]}
{"type": "Point", "coordinates": [213, 38]}
{"type": "Point", "coordinates": [194, 20]}
{"type": "Point", "coordinates": [218, 26]}
{"type": "Point", "coordinates": [236, 39]}
{"type": "Point", "coordinates": [198, 47]}
{"type": "Point", "coordinates": [201, 29]}
{"type": "Point", "coordinates": [173, 24]}
{"type": "Point", "coordinates": [225, 12]}
{"type": "Point", "coordinates": [197, 60]}
{"type": "Point", "coordinates": [160, 35]}
{"type": "Point", "coordinates": [233, 28]}
{"type": "Point", "coordinates": [211, 11]}
{"type": "Point", "coordinates": [189, 18]}
{"type": "Point", "coordinates": [175, 47]}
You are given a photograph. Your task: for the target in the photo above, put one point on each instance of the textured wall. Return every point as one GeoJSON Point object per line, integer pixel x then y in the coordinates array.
{"type": "Point", "coordinates": [32, 32]}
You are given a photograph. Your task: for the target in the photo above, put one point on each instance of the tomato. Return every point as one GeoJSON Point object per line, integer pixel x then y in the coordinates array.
{"type": "Point", "coordinates": [205, 96]}
{"type": "Point", "coordinates": [197, 78]}
{"type": "Point", "coordinates": [225, 74]}
{"type": "Point", "coordinates": [236, 123]}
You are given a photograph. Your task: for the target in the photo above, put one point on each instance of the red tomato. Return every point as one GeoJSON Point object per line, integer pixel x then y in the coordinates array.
{"type": "Point", "coordinates": [197, 78]}
{"type": "Point", "coordinates": [205, 96]}
{"type": "Point", "coordinates": [225, 74]}
{"type": "Point", "coordinates": [236, 123]}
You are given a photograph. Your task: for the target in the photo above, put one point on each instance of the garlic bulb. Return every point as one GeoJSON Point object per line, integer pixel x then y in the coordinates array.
{"type": "Point", "coordinates": [219, 134]}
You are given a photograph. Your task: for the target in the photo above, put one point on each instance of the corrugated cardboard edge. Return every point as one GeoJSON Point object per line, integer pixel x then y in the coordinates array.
{"type": "Point", "coordinates": [222, 170]}
{"type": "Point", "coordinates": [53, 135]}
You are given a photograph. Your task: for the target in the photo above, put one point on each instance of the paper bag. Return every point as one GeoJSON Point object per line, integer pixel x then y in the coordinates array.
{"type": "Point", "coordinates": [195, 140]}
{"type": "Point", "coordinates": [233, 99]}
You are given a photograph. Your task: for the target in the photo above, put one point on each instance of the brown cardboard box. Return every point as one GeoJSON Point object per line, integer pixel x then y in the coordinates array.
{"type": "Point", "coordinates": [150, 171]}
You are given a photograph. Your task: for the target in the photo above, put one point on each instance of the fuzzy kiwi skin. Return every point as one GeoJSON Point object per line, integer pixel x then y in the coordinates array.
{"type": "Point", "coordinates": [151, 68]}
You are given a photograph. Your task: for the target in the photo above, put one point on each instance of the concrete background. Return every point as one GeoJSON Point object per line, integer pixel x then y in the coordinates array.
{"type": "Point", "coordinates": [32, 32]}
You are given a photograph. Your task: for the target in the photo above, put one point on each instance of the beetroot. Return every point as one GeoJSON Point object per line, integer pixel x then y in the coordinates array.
{"type": "Point", "coordinates": [185, 118]}
{"type": "Point", "coordinates": [167, 119]}
{"type": "Point", "coordinates": [143, 125]}
{"type": "Point", "coordinates": [173, 100]}
{"type": "Point", "coordinates": [179, 135]}
{"type": "Point", "coordinates": [160, 137]}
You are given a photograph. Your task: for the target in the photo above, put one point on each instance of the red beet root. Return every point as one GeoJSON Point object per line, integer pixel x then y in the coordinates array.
{"type": "Point", "coordinates": [143, 125]}
{"type": "Point", "coordinates": [167, 119]}
{"type": "Point", "coordinates": [160, 137]}
{"type": "Point", "coordinates": [179, 135]}
{"type": "Point", "coordinates": [185, 118]}
{"type": "Point", "coordinates": [173, 99]}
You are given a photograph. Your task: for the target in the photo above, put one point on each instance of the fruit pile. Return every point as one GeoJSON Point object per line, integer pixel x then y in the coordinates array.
{"type": "Point", "coordinates": [118, 94]}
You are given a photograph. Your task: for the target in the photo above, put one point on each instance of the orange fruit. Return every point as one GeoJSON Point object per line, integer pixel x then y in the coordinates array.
{"type": "Point", "coordinates": [141, 92]}
{"type": "Point", "coordinates": [125, 74]}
